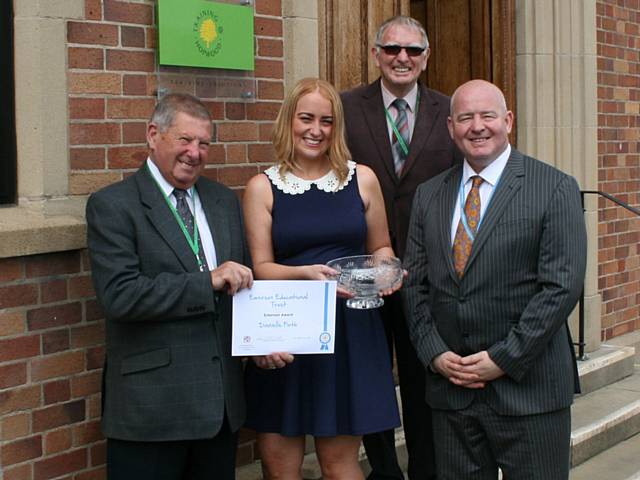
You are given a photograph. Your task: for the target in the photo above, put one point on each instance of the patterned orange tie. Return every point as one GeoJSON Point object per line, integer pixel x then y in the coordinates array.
{"type": "Point", "coordinates": [462, 242]}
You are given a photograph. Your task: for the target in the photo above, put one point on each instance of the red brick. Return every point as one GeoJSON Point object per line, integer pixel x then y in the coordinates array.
{"type": "Point", "coordinates": [95, 358]}
{"type": "Point", "coordinates": [94, 406]}
{"type": "Point", "coordinates": [94, 133]}
{"type": "Point", "coordinates": [267, 27]}
{"type": "Point", "coordinates": [92, 33]}
{"type": "Point", "coordinates": [261, 153]}
{"type": "Point", "coordinates": [262, 111]}
{"type": "Point", "coordinates": [87, 335]}
{"type": "Point", "coordinates": [10, 269]}
{"type": "Point", "coordinates": [126, 157]}
{"type": "Point", "coordinates": [235, 111]}
{"type": "Point", "coordinates": [87, 58]}
{"type": "Point", "coordinates": [134, 132]}
{"type": "Point", "coordinates": [98, 454]}
{"type": "Point", "coordinates": [86, 433]}
{"type": "Point", "coordinates": [269, 68]}
{"type": "Point", "coordinates": [268, 47]}
{"type": "Point", "coordinates": [237, 132]}
{"type": "Point", "coordinates": [20, 347]}
{"type": "Point", "coordinates": [57, 441]}
{"type": "Point", "coordinates": [134, 84]}
{"type": "Point", "coordinates": [13, 375]}
{"type": "Point", "coordinates": [131, 60]}
{"type": "Point", "coordinates": [237, 176]}
{"type": "Point", "coordinates": [58, 415]}
{"type": "Point", "coordinates": [216, 154]}
{"type": "Point", "coordinates": [22, 450]}
{"type": "Point", "coordinates": [269, 7]}
{"type": "Point", "coordinates": [270, 90]}
{"type": "Point", "coordinates": [130, 107]}
{"type": "Point", "coordinates": [93, 311]}
{"type": "Point", "coordinates": [93, 9]}
{"type": "Point", "coordinates": [152, 38]}
{"type": "Point", "coordinates": [59, 465]}
{"type": "Point", "coordinates": [85, 385]}
{"type": "Point", "coordinates": [15, 426]}
{"type": "Point", "coordinates": [81, 287]}
{"type": "Point", "coordinates": [57, 391]}
{"type": "Point", "coordinates": [94, 83]}
{"type": "Point", "coordinates": [12, 323]}
{"type": "Point", "coordinates": [59, 365]}
{"type": "Point", "coordinates": [53, 264]}
{"type": "Point", "coordinates": [86, 158]}
{"type": "Point", "coordinates": [18, 295]}
{"type": "Point", "coordinates": [216, 110]}
{"type": "Point", "coordinates": [236, 153]}
{"type": "Point", "coordinates": [266, 130]}
{"type": "Point", "coordinates": [55, 341]}
{"type": "Point", "coordinates": [86, 108]}
{"type": "Point", "coordinates": [132, 36]}
{"type": "Point", "coordinates": [19, 399]}
{"type": "Point", "coordinates": [95, 474]}
{"type": "Point", "coordinates": [53, 291]}
{"type": "Point", "coordinates": [125, 12]}
{"type": "Point", "coordinates": [54, 316]}
{"type": "Point", "coordinates": [20, 472]}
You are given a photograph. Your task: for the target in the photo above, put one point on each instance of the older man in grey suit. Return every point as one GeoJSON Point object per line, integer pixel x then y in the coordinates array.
{"type": "Point", "coordinates": [167, 252]}
{"type": "Point", "coordinates": [496, 258]}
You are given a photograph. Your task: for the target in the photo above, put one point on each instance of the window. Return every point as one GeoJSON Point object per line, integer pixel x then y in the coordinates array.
{"type": "Point", "coordinates": [8, 168]}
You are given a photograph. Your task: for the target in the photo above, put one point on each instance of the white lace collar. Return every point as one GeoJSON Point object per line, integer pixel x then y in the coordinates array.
{"type": "Point", "coordinates": [294, 185]}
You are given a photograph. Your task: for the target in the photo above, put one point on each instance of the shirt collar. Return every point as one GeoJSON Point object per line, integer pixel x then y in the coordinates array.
{"type": "Point", "coordinates": [491, 173]}
{"type": "Point", "coordinates": [165, 186]}
{"type": "Point", "coordinates": [388, 97]}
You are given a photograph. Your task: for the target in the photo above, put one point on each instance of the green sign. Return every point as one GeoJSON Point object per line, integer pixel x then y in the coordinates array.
{"type": "Point", "coordinates": [200, 33]}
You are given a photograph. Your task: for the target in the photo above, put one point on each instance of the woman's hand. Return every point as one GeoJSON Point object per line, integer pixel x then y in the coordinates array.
{"type": "Point", "coordinates": [274, 360]}
{"type": "Point", "coordinates": [394, 288]}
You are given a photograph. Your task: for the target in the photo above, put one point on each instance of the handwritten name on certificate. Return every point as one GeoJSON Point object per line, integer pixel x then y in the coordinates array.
{"type": "Point", "coordinates": [295, 316]}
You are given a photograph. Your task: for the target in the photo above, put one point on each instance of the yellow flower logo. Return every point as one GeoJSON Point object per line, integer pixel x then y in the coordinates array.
{"type": "Point", "coordinates": [208, 32]}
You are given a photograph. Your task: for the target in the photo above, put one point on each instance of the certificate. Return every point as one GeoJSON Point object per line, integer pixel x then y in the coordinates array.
{"type": "Point", "coordinates": [295, 316]}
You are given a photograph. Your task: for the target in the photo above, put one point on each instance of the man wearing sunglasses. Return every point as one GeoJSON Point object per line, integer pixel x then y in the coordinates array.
{"type": "Point", "coordinates": [398, 127]}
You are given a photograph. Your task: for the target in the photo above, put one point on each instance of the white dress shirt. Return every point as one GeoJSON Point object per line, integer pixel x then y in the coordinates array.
{"type": "Point", "coordinates": [490, 176]}
{"type": "Point", "coordinates": [200, 219]}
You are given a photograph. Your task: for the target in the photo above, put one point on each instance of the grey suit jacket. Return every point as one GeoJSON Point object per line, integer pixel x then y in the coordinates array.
{"type": "Point", "coordinates": [169, 372]}
{"type": "Point", "coordinates": [523, 279]}
{"type": "Point", "coordinates": [431, 151]}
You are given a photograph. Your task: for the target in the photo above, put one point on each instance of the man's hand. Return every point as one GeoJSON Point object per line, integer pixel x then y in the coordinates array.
{"type": "Point", "coordinates": [274, 360]}
{"type": "Point", "coordinates": [481, 365]}
{"type": "Point", "coordinates": [449, 365]}
{"type": "Point", "coordinates": [231, 276]}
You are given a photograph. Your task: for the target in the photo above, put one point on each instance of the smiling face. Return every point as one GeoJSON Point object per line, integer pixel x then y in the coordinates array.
{"type": "Point", "coordinates": [180, 152]}
{"type": "Point", "coordinates": [400, 72]}
{"type": "Point", "coordinates": [312, 126]}
{"type": "Point", "coordinates": [480, 122]}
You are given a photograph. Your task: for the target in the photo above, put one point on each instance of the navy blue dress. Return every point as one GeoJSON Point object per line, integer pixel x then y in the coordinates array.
{"type": "Point", "coordinates": [350, 392]}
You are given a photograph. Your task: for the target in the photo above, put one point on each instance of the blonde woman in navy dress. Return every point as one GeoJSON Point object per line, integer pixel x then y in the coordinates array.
{"type": "Point", "coordinates": [313, 205]}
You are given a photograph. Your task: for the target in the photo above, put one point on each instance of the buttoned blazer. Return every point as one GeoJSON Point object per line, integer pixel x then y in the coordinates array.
{"type": "Point", "coordinates": [522, 280]}
{"type": "Point", "coordinates": [169, 373]}
{"type": "Point", "coordinates": [431, 150]}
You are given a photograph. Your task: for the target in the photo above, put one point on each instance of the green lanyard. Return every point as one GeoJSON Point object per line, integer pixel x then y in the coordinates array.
{"type": "Point", "coordinates": [192, 241]}
{"type": "Point", "coordinates": [403, 145]}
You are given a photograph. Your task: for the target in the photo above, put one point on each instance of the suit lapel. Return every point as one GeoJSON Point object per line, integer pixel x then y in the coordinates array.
{"type": "Point", "coordinates": [429, 112]}
{"type": "Point", "coordinates": [448, 202]}
{"type": "Point", "coordinates": [160, 216]}
{"type": "Point", "coordinates": [508, 185]}
{"type": "Point", "coordinates": [376, 119]}
{"type": "Point", "coordinates": [217, 220]}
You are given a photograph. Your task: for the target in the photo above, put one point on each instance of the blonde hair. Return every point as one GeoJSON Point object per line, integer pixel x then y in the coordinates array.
{"type": "Point", "coordinates": [282, 136]}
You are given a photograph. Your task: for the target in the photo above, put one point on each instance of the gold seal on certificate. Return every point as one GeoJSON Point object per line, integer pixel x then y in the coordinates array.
{"type": "Point", "coordinates": [365, 276]}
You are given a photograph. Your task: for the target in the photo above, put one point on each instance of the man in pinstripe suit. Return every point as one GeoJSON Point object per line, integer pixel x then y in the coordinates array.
{"type": "Point", "coordinates": [491, 326]}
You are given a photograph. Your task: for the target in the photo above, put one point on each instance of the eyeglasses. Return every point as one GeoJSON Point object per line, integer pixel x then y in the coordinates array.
{"type": "Point", "coordinates": [395, 50]}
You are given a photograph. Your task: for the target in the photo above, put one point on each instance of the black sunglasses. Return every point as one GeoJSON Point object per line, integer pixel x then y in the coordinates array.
{"type": "Point", "coordinates": [395, 50]}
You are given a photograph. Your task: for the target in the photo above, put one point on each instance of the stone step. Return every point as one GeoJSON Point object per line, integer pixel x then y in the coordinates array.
{"type": "Point", "coordinates": [620, 462]}
{"type": "Point", "coordinates": [605, 366]}
{"type": "Point", "coordinates": [605, 417]}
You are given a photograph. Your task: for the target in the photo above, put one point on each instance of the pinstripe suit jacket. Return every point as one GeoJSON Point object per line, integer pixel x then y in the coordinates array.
{"type": "Point", "coordinates": [169, 372]}
{"type": "Point", "coordinates": [522, 280]}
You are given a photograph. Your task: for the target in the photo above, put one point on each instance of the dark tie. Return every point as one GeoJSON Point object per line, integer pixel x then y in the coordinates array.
{"type": "Point", "coordinates": [187, 217]}
{"type": "Point", "coordinates": [462, 242]}
{"type": "Point", "coordinates": [402, 125]}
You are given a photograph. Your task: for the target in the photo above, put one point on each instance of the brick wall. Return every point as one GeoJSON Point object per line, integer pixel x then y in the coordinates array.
{"type": "Point", "coordinates": [618, 45]}
{"type": "Point", "coordinates": [51, 328]}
